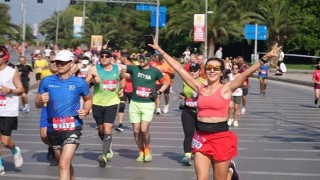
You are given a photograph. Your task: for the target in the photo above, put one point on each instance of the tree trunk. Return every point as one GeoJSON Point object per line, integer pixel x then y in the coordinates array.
{"type": "Point", "coordinates": [211, 48]}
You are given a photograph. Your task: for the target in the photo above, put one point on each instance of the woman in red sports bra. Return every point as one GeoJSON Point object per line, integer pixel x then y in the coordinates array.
{"type": "Point", "coordinates": [213, 143]}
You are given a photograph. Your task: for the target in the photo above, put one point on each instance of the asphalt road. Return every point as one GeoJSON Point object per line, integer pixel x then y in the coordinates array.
{"type": "Point", "coordinates": [278, 140]}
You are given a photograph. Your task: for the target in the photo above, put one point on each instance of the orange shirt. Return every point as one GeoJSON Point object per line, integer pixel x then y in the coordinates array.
{"type": "Point", "coordinates": [166, 70]}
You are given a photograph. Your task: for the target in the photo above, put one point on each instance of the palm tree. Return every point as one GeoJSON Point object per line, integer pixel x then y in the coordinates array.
{"type": "Point", "coordinates": [226, 21]}
{"type": "Point", "coordinates": [7, 30]}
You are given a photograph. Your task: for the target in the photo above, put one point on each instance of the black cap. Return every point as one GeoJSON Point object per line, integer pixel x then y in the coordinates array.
{"type": "Point", "coordinates": [105, 51]}
{"type": "Point", "coordinates": [194, 67]}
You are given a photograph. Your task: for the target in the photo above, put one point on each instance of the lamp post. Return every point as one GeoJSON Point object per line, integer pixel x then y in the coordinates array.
{"type": "Point", "coordinates": [83, 15]}
{"type": "Point", "coordinates": [206, 31]}
{"type": "Point", "coordinates": [57, 25]}
{"type": "Point", "coordinates": [24, 9]}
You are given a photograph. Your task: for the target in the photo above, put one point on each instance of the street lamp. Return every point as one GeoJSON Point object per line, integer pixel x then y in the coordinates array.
{"type": "Point", "coordinates": [57, 25]}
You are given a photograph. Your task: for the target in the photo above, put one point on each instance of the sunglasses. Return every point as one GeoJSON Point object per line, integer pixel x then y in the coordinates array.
{"type": "Point", "coordinates": [2, 55]}
{"type": "Point", "coordinates": [105, 56]}
{"type": "Point", "coordinates": [61, 63]}
{"type": "Point", "coordinates": [215, 68]}
{"type": "Point", "coordinates": [143, 59]}
{"type": "Point", "coordinates": [52, 62]}
{"type": "Point", "coordinates": [193, 71]}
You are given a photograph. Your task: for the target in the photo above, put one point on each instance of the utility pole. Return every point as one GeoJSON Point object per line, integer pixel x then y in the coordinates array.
{"type": "Point", "coordinates": [58, 19]}
{"type": "Point", "coordinates": [24, 10]}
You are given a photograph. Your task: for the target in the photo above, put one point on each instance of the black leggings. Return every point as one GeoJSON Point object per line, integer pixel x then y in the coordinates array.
{"type": "Point", "coordinates": [188, 119]}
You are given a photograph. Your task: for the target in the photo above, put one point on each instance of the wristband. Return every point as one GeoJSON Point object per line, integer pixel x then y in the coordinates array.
{"type": "Point", "coordinates": [264, 61]}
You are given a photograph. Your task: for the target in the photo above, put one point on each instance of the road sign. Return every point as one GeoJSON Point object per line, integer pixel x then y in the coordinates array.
{"type": "Point", "coordinates": [252, 36]}
{"type": "Point", "coordinates": [162, 19]}
{"type": "Point", "coordinates": [262, 29]}
{"type": "Point", "coordinates": [152, 8]}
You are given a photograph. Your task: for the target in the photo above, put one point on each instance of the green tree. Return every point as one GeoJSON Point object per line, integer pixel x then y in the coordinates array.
{"type": "Point", "coordinates": [7, 30]}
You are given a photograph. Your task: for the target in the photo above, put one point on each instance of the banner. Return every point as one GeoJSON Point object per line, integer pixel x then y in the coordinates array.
{"type": "Point", "coordinates": [77, 27]}
{"type": "Point", "coordinates": [199, 28]}
{"type": "Point", "coordinates": [35, 30]}
{"type": "Point", "coordinates": [96, 41]}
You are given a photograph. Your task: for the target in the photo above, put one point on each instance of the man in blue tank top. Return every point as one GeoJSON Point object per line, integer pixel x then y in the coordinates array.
{"type": "Point", "coordinates": [62, 93]}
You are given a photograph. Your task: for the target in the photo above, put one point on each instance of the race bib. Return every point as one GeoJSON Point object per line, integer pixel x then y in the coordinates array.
{"type": "Point", "coordinates": [191, 102]}
{"type": "Point", "coordinates": [3, 100]}
{"type": "Point", "coordinates": [263, 72]}
{"type": "Point", "coordinates": [63, 124]}
{"type": "Point", "coordinates": [197, 141]}
{"type": "Point", "coordinates": [143, 91]}
{"type": "Point", "coordinates": [110, 85]}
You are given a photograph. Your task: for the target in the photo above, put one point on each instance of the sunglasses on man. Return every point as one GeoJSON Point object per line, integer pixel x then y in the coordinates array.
{"type": "Point", "coordinates": [61, 63]}
{"type": "Point", "coordinates": [105, 56]}
{"type": "Point", "coordinates": [2, 55]}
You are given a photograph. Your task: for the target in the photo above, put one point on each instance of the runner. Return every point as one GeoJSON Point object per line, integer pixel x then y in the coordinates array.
{"type": "Point", "coordinates": [39, 64]}
{"type": "Point", "coordinates": [44, 116]}
{"type": "Point", "coordinates": [142, 104]}
{"type": "Point", "coordinates": [234, 108]}
{"type": "Point", "coordinates": [213, 143]}
{"type": "Point", "coordinates": [245, 87]}
{"type": "Point", "coordinates": [62, 92]}
{"type": "Point", "coordinates": [263, 77]}
{"type": "Point", "coordinates": [189, 112]}
{"type": "Point", "coordinates": [10, 90]}
{"type": "Point", "coordinates": [25, 71]}
{"type": "Point", "coordinates": [126, 98]}
{"type": "Point", "coordinates": [316, 80]}
{"type": "Point", "coordinates": [167, 72]}
{"type": "Point", "coordinates": [109, 83]}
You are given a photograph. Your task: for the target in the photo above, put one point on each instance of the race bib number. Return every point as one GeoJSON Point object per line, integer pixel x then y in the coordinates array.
{"type": "Point", "coordinates": [263, 72]}
{"type": "Point", "coordinates": [197, 141]}
{"type": "Point", "coordinates": [143, 91]}
{"type": "Point", "coordinates": [110, 85]}
{"type": "Point", "coordinates": [63, 124]}
{"type": "Point", "coordinates": [3, 100]}
{"type": "Point", "coordinates": [191, 102]}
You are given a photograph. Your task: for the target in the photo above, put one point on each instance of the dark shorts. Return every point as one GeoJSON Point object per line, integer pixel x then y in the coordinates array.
{"type": "Point", "coordinates": [316, 86]}
{"type": "Point", "coordinates": [245, 91]}
{"type": "Point", "coordinates": [59, 138]}
{"type": "Point", "coordinates": [38, 76]}
{"type": "Point", "coordinates": [25, 85]}
{"type": "Point", "coordinates": [7, 124]}
{"type": "Point", "coordinates": [167, 91]}
{"type": "Point", "coordinates": [104, 114]}
{"type": "Point", "coordinates": [236, 99]}
{"type": "Point", "coordinates": [126, 97]}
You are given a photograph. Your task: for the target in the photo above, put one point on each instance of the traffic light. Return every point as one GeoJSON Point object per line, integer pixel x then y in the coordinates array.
{"type": "Point", "coordinates": [40, 1]}
{"type": "Point", "coordinates": [6, 0]}
{"type": "Point", "coordinates": [72, 1]}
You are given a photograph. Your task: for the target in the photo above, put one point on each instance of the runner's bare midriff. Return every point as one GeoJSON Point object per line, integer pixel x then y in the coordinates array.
{"type": "Point", "coordinates": [212, 119]}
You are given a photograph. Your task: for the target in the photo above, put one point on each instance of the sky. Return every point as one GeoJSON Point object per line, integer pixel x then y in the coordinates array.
{"type": "Point", "coordinates": [36, 12]}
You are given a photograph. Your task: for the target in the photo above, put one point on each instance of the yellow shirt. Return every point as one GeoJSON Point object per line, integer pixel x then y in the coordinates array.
{"type": "Point", "coordinates": [40, 65]}
{"type": "Point", "coordinates": [45, 72]}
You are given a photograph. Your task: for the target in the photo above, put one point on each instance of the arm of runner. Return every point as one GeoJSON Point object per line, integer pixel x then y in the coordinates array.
{"type": "Point", "coordinates": [18, 84]}
{"type": "Point", "coordinates": [194, 84]}
{"type": "Point", "coordinates": [238, 82]}
{"type": "Point", "coordinates": [87, 105]}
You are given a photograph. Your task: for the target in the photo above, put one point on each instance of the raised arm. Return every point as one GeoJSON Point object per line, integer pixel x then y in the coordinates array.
{"type": "Point", "coordinates": [194, 84]}
{"type": "Point", "coordinates": [247, 73]}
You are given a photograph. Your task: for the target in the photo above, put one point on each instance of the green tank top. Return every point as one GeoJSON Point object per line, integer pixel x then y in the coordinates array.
{"type": "Point", "coordinates": [189, 93]}
{"type": "Point", "coordinates": [105, 93]}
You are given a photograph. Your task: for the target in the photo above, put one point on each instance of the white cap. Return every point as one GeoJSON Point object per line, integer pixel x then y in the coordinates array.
{"type": "Point", "coordinates": [64, 55]}
{"type": "Point", "coordinates": [88, 55]}
{"type": "Point", "coordinates": [85, 62]}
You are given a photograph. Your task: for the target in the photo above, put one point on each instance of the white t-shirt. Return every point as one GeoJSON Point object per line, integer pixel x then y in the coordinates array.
{"type": "Point", "coordinates": [47, 52]}
{"type": "Point", "coordinates": [283, 67]}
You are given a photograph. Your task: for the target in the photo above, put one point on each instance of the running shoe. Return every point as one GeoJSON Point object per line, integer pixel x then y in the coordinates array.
{"type": "Point", "coordinates": [243, 111]}
{"type": "Point", "coordinates": [147, 157]}
{"type": "Point", "coordinates": [230, 121]}
{"type": "Point", "coordinates": [2, 170]}
{"type": "Point", "coordinates": [109, 154]}
{"type": "Point", "coordinates": [50, 154]}
{"type": "Point", "coordinates": [102, 161]}
{"type": "Point", "coordinates": [140, 157]}
{"type": "Point", "coordinates": [18, 160]}
{"type": "Point", "coordinates": [166, 109]}
{"type": "Point", "coordinates": [186, 161]}
{"type": "Point", "coordinates": [235, 124]}
{"type": "Point", "coordinates": [235, 175]}
{"type": "Point", "coordinates": [120, 128]}
{"type": "Point", "coordinates": [316, 101]}
{"type": "Point", "coordinates": [54, 162]}
{"type": "Point", "coordinates": [158, 112]}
